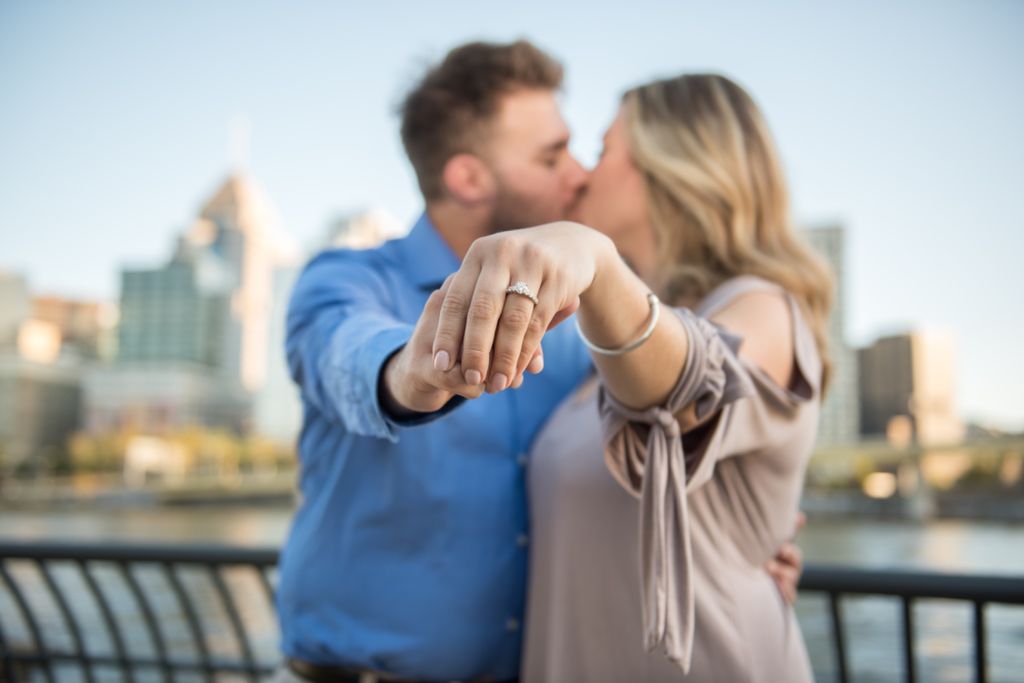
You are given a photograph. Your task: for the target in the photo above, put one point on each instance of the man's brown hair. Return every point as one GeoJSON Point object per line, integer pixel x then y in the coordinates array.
{"type": "Point", "coordinates": [447, 111]}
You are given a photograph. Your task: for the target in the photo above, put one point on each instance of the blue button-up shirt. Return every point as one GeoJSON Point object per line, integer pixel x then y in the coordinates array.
{"type": "Point", "coordinates": [408, 553]}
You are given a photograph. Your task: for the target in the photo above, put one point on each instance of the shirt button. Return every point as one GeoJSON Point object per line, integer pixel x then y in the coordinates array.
{"type": "Point", "coordinates": [522, 459]}
{"type": "Point", "coordinates": [512, 624]}
{"type": "Point", "coordinates": [522, 540]}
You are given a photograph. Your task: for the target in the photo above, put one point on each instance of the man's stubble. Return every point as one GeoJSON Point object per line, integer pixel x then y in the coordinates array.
{"type": "Point", "coordinates": [514, 210]}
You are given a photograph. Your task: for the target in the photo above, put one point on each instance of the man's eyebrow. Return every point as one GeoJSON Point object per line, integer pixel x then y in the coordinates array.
{"type": "Point", "coordinates": [556, 146]}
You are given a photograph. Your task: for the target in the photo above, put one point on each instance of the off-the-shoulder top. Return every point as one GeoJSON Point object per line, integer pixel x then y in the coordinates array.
{"type": "Point", "coordinates": [733, 484]}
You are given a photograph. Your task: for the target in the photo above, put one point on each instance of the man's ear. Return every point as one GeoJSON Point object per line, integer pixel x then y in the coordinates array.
{"type": "Point", "coordinates": [468, 179]}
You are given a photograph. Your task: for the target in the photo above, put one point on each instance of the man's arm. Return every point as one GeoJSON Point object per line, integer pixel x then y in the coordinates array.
{"type": "Point", "coordinates": [341, 335]}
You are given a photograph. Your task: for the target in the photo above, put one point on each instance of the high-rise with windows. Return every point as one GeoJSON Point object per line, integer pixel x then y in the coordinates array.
{"type": "Point", "coordinates": [193, 333]}
{"type": "Point", "coordinates": [840, 413]}
{"type": "Point", "coordinates": [908, 378]}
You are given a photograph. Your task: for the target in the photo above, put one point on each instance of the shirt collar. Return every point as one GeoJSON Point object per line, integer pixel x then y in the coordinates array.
{"type": "Point", "coordinates": [427, 258]}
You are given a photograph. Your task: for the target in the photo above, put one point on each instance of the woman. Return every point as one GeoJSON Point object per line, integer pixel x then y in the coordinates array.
{"type": "Point", "coordinates": [706, 414]}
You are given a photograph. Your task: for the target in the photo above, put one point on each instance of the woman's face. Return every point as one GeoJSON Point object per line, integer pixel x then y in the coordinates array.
{"type": "Point", "coordinates": [615, 199]}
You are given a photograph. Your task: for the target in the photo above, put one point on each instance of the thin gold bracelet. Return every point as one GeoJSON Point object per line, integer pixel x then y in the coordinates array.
{"type": "Point", "coordinates": [654, 303]}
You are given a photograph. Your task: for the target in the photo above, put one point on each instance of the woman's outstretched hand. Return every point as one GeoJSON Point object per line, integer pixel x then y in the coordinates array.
{"type": "Point", "coordinates": [411, 384]}
{"type": "Point", "coordinates": [495, 335]}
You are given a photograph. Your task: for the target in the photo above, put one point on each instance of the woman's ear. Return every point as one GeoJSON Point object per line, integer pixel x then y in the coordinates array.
{"type": "Point", "coordinates": [468, 180]}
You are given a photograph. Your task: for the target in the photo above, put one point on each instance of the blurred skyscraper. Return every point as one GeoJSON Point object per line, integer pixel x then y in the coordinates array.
{"type": "Point", "coordinates": [840, 417]}
{"type": "Point", "coordinates": [87, 328]}
{"type": "Point", "coordinates": [908, 379]}
{"type": "Point", "coordinates": [40, 392]}
{"type": "Point", "coordinates": [15, 305]}
{"type": "Point", "coordinates": [193, 333]}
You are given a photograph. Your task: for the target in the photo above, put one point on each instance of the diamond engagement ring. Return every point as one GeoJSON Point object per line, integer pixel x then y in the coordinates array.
{"type": "Point", "coordinates": [522, 289]}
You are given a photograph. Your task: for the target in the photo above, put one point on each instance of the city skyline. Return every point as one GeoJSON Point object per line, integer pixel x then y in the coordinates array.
{"type": "Point", "coordinates": [896, 122]}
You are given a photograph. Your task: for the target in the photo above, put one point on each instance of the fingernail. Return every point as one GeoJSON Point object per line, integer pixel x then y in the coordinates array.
{"type": "Point", "coordinates": [473, 377]}
{"type": "Point", "coordinates": [441, 359]}
{"type": "Point", "coordinates": [500, 381]}
{"type": "Point", "coordinates": [537, 364]}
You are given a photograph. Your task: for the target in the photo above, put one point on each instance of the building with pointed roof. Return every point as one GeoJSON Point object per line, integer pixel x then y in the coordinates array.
{"type": "Point", "coordinates": [200, 322]}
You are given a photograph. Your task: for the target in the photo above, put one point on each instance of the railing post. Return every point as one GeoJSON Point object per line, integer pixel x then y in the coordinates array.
{"type": "Point", "coordinates": [107, 611]}
{"type": "Point", "coordinates": [149, 618]}
{"type": "Point", "coordinates": [980, 668]}
{"type": "Point", "coordinates": [191, 618]}
{"type": "Point", "coordinates": [228, 601]}
{"type": "Point", "coordinates": [29, 617]}
{"type": "Point", "coordinates": [81, 654]}
{"type": "Point", "coordinates": [910, 665]}
{"type": "Point", "coordinates": [837, 635]}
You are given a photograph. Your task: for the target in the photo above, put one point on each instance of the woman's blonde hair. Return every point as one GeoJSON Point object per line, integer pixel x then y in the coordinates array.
{"type": "Point", "coordinates": [717, 195]}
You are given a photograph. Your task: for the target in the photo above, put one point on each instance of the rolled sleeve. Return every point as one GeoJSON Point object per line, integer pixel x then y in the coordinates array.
{"type": "Point", "coordinates": [351, 367]}
{"type": "Point", "coordinates": [342, 329]}
{"type": "Point", "coordinates": [646, 453]}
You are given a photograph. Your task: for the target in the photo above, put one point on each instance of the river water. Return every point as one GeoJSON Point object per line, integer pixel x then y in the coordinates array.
{"type": "Point", "coordinates": [873, 627]}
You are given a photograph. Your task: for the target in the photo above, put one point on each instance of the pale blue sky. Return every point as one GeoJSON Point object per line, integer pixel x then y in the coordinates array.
{"type": "Point", "coordinates": [901, 120]}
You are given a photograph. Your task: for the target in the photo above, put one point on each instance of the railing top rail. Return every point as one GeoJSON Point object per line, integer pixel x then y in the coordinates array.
{"type": "Point", "coordinates": [913, 584]}
{"type": "Point", "coordinates": [138, 552]}
{"type": "Point", "coordinates": [910, 583]}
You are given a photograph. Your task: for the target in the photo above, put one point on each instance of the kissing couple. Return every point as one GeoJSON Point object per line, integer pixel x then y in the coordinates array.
{"type": "Point", "coordinates": [559, 431]}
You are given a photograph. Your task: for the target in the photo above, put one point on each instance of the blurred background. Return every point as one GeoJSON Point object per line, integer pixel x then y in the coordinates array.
{"type": "Point", "coordinates": [166, 169]}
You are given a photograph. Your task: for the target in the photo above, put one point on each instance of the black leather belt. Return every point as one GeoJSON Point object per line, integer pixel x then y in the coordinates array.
{"type": "Point", "coordinates": [316, 673]}
{"type": "Point", "coordinates": [320, 673]}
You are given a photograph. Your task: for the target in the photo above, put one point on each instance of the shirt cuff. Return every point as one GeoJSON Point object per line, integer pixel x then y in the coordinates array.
{"type": "Point", "coordinates": [376, 355]}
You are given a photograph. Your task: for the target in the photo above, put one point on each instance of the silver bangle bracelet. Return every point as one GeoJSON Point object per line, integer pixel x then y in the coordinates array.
{"type": "Point", "coordinates": [655, 305]}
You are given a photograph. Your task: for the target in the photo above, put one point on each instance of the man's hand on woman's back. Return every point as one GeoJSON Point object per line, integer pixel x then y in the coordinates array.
{"type": "Point", "coordinates": [788, 564]}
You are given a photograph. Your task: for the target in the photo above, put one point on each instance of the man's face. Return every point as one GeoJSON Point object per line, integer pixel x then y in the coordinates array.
{"type": "Point", "coordinates": [537, 179]}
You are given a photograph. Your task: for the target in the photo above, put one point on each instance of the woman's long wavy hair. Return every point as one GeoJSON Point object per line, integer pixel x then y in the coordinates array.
{"type": "Point", "coordinates": [717, 195]}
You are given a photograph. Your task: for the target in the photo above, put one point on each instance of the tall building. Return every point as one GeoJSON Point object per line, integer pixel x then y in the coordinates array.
{"type": "Point", "coordinates": [39, 409]}
{"type": "Point", "coordinates": [87, 328]}
{"type": "Point", "coordinates": [193, 333]}
{"type": "Point", "coordinates": [40, 392]}
{"type": "Point", "coordinates": [840, 413]}
{"type": "Point", "coordinates": [908, 378]}
{"type": "Point", "coordinates": [236, 226]}
{"type": "Point", "coordinates": [15, 306]}
{"type": "Point", "coordinates": [178, 312]}
{"type": "Point", "coordinates": [160, 398]}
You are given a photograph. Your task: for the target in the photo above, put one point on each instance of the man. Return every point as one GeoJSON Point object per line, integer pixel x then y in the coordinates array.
{"type": "Point", "coordinates": [408, 555]}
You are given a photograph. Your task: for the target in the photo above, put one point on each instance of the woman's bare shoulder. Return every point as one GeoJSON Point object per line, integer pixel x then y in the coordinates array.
{"type": "Point", "coordinates": [764, 319]}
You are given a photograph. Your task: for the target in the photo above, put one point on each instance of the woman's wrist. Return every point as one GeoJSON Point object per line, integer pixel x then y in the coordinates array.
{"type": "Point", "coordinates": [610, 270]}
{"type": "Point", "coordinates": [606, 314]}
{"type": "Point", "coordinates": [606, 261]}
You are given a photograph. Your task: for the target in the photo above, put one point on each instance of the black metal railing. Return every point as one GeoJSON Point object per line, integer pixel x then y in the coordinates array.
{"type": "Point", "coordinates": [47, 623]}
{"type": "Point", "coordinates": [909, 587]}
{"type": "Point", "coordinates": [114, 611]}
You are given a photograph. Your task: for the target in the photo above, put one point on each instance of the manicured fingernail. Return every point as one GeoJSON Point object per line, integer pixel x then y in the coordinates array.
{"type": "Point", "coordinates": [473, 377]}
{"type": "Point", "coordinates": [536, 364]}
{"type": "Point", "coordinates": [441, 359]}
{"type": "Point", "coordinates": [500, 381]}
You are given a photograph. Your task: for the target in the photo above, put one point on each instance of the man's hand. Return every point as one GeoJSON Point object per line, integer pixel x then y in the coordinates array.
{"type": "Point", "coordinates": [412, 384]}
{"type": "Point", "coordinates": [496, 335]}
{"type": "Point", "coordinates": [788, 564]}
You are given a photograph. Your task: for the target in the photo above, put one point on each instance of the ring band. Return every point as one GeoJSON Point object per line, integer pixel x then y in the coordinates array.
{"type": "Point", "coordinates": [522, 289]}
